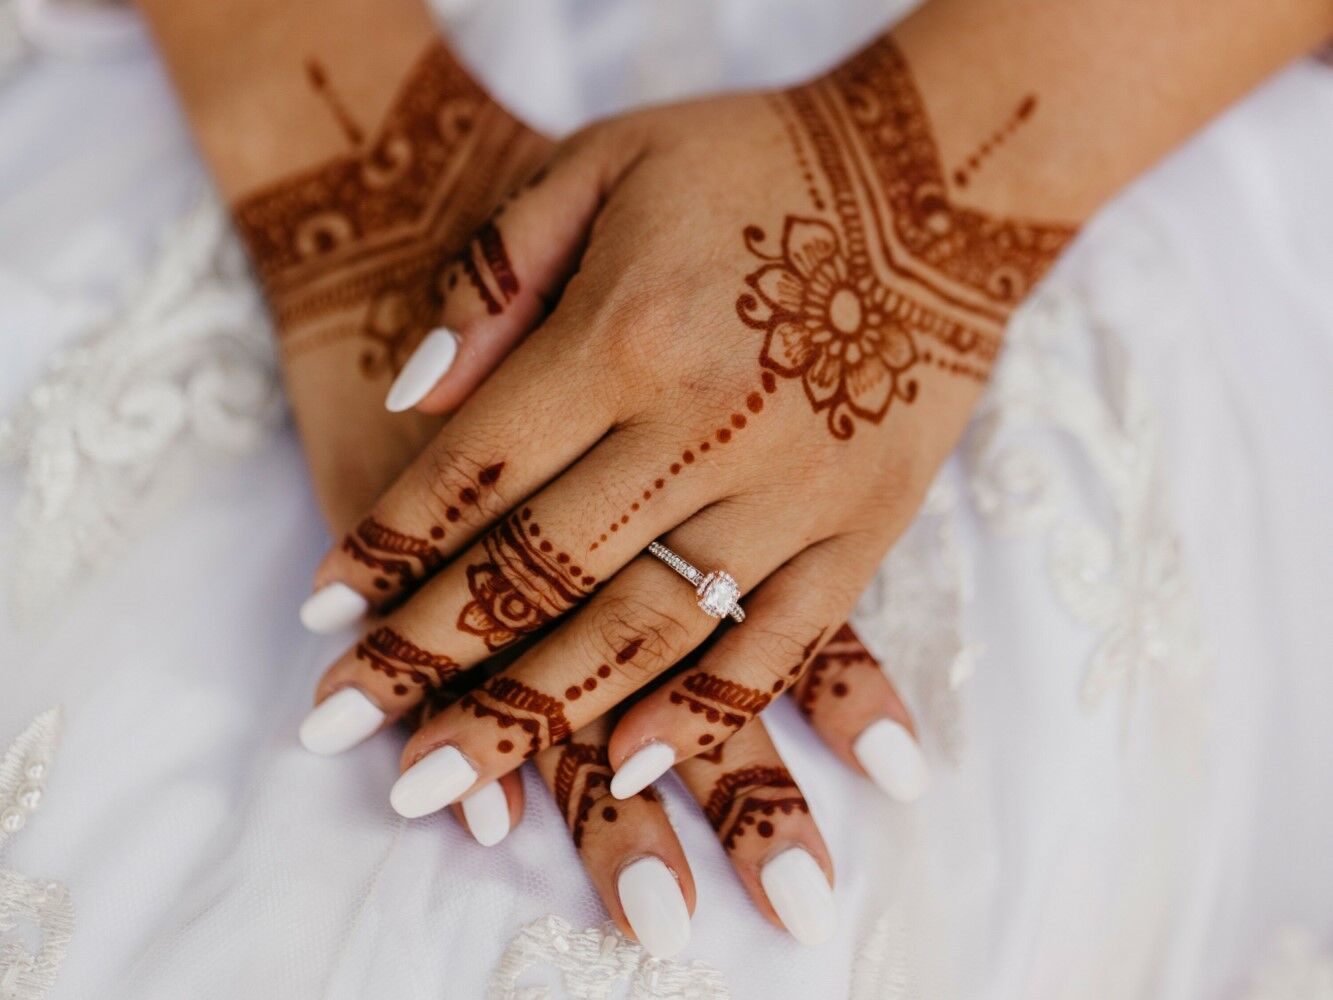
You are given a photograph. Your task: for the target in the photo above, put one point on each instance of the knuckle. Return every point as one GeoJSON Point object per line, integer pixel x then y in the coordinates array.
{"type": "Point", "coordinates": [461, 488]}
{"type": "Point", "coordinates": [634, 638]}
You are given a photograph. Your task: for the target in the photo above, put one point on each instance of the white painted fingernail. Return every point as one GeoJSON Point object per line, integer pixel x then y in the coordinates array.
{"type": "Point", "coordinates": [433, 782]}
{"type": "Point", "coordinates": [643, 767]}
{"type": "Point", "coordinates": [801, 896]}
{"type": "Point", "coordinates": [487, 814]}
{"type": "Point", "coordinates": [333, 607]}
{"type": "Point", "coordinates": [429, 363]}
{"type": "Point", "coordinates": [340, 722]}
{"type": "Point", "coordinates": [893, 760]}
{"type": "Point", "coordinates": [654, 906]}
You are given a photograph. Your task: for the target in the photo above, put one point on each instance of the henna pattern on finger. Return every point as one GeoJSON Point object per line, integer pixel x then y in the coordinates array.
{"type": "Point", "coordinates": [833, 670]}
{"type": "Point", "coordinates": [405, 663]}
{"type": "Point", "coordinates": [524, 582]}
{"type": "Point", "coordinates": [900, 277]}
{"type": "Point", "coordinates": [402, 561]}
{"type": "Point", "coordinates": [511, 703]}
{"type": "Point", "coordinates": [582, 787]}
{"type": "Point", "coordinates": [751, 798]}
{"type": "Point", "coordinates": [718, 700]}
{"type": "Point", "coordinates": [360, 246]}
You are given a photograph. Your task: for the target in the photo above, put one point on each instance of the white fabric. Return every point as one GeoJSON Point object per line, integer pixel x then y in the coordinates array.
{"type": "Point", "coordinates": [1110, 618]}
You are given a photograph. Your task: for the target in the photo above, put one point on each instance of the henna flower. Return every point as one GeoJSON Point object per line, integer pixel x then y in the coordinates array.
{"type": "Point", "coordinates": [828, 322]}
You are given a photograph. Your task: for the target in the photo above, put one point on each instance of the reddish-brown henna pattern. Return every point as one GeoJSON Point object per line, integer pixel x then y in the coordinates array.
{"type": "Point", "coordinates": [582, 786]}
{"type": "Point", "coordinates": [845, 303]}
{"type": "Point", "coordinates": [408, 559]}
{"type": "Point", "coordinates": [511, 703]}
{"type": "Point", "coordinates": [359, 246]}
{"type": "Point", "coordinates": [718, 700]}
{"type": "Point", "coordinates": [1022, 113]}
{"type": "Point", "coordinates": [833, 670]}
{"type": "Point", "coordinates": [404, 662]}
{"type": "Point", "coordinates": [524, 582]}
{"type": "Point", "coordinates": [751, 798]}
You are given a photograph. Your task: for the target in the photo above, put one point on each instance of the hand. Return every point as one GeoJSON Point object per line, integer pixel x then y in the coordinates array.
{"type": "Point", "coordinates": [348, 313]}
{"type": "Point", "coordinates": [778, 311]}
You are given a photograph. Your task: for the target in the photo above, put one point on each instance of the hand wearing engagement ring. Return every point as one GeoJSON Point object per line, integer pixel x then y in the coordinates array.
{"type": "Point", "coordinates": [719, 593]}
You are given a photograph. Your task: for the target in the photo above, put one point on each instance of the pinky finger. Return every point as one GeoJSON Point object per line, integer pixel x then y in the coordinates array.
{"type": "Point", "coordinates": [764, 824]}
{"type": "Point", "coordinates": [854, 707]}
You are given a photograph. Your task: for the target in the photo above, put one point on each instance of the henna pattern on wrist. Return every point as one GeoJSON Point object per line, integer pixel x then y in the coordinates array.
{"type": "Point", "coordinates": [404, 662]}
{"type": "Point", "coordinates": [752, 798]}
{"type": "Point", "coordinates": [361, 246]}
{"type": "Point", "coordinates": [525, 582]}
{"type": "Point", "coordinates": [509, 703]}
{"type": "Point", "coordinates": [833, 670]}
{"type": "Point", "coordinates": [973, 163]}
{"type": "Point", "coordinates": [899, 277]}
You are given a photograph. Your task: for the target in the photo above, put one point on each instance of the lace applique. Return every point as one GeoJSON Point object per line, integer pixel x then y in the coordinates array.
{"type": "Point", "coordinates": [594, 964]}
{"type": "Point", "coordinates": [36, 915]}
{"type": "Point", "coordinates": [1128, 580]}
{"type": "Point", "coordinates": [1295, 968]}
{"type": "Point", "coordinates": [122, 422]}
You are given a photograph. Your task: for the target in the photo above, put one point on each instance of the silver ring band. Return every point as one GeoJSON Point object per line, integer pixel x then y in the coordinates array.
{"type": "Point", "coordinates": [719, 593]}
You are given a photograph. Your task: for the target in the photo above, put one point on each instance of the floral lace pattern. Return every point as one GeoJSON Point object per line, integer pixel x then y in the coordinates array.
{"type": "Point", "coordinates": [36, 915]}
{"type": "Point", "coordinates": [597, 964]}
{"type": "Point", "coordinates": [123, 422]}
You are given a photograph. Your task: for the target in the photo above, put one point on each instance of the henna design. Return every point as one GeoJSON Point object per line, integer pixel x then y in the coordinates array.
{"type": "Point", "coordinates": [832, 670]}
{"type": "Point", "coordinates": [973, 163]}
{"type": "Point", "coordinates": [401, 660]}
{"type": "Point", "coordinates": [724, 705]}
{"type": "Point", "coordinates": [487, 265]}
{"type": "Point", "coordinates": [407, 558]}
{"type": "Point", "coordinates": [511, 703]}
{"type": "Point", "coordinates": [582, 784]}
{"type": "Point", "coordinates": [749, 798]}
{"type": "Point", "coordinates": [524, 583]}
{"type": "Point", "coordinates": [358, 246]}
{"type": "Point", "coordinates": [845, 305]}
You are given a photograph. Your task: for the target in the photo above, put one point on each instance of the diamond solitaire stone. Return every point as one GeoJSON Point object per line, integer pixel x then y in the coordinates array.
{"type": "Point", "coordinates": [718, 594]}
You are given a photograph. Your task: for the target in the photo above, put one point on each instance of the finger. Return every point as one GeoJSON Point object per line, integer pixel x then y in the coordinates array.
{"type": "Point", "coordinates": [492, 810]}
{"type": "Point", "coordinates": [629, 848]}
{"type": "Point", "coordinates": [765, 826]}
{"type": "Point", "coordinates": [523, 575]}
{"type": "Point", "coordinates": [855, 708]}
{"type": "Point", "coordinates": [638, 625]}
{"type": "Point", "coordinates": [515, 434]}
{"type": "Point", "coordinates": [503, 282]}
{"type": "Point", "coordinates": [745, 669]}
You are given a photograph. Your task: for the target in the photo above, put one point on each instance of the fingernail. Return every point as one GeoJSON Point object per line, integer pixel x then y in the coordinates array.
{"type": "Point", "coordinates": [643, 767]}
{"type": "Point", "coordinates": [487, 813]}
{"type": "Point", "coordinates": [654, 907]}
{"type": "Point", "coordinates": [893, 760]}
{"type": "Point", "coordinates": [333, 607]}
{"type": "Point", "coordinates": [432, 783]}
{"type": "Point", "coordinates": [340, 722]}
{"type": "Point", "coordinates": [428, 364]}
{"type": "Point", "coordinates": [801, 896]}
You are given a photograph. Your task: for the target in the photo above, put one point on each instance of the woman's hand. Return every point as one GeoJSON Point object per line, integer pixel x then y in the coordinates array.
{"type": "Point", "coordinates": [778, 322]}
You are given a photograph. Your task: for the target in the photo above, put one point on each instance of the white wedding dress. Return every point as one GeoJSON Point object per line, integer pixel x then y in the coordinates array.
{"type": "Point", "coordinates": [1112, 618]}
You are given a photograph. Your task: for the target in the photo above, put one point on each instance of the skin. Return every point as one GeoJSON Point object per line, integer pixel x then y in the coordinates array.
{"type": "Point", "coordinates": [703, 377]}
{"type": "Point", "coordinates": [314, 131]}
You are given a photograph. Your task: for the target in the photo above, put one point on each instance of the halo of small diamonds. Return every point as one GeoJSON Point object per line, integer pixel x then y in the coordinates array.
{"type": "Point", "coordinates": [719, 593]}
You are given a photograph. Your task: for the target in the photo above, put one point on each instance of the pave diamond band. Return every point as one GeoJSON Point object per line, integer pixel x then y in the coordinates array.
{"type": "Point", "coordinates": [719, 593]}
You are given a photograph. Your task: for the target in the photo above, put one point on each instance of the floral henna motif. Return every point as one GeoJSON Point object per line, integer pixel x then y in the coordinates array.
{"type": "Point", "coordinates": [359, 246]}
{"type": "Point", "coordinates": [846, 304]}
{"type": "Point", "coordinates": [833, 670]}
{"type": "Point", "coordinates": [524, 583]}
{"type": "Point", "coordinates": [511, 703]}
{"type": "Point", "coordinates": [751, 798]}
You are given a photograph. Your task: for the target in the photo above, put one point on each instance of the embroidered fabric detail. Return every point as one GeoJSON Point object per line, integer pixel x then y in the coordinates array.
{"type": "Point", "coordinates": [36, 915]}
{"type": "Point", "coordinates": [123, 422]}
{"type": "Point", "coordinates": [596, 964]}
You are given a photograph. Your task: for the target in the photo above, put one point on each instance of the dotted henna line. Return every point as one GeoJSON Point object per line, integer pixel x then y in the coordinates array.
{"type": "Point", "coordinates": [973, 163]}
